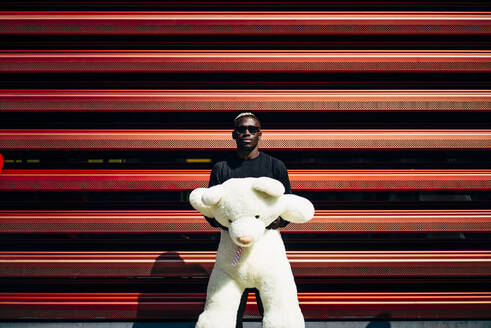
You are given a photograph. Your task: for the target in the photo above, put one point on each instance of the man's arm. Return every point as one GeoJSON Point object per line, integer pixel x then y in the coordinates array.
{"type": "Point", "coordinates": [214, 176]}
{"type": "Point", "coordinates": [215, 180]}
{"type": "Point", "coordinates": [280, 173]}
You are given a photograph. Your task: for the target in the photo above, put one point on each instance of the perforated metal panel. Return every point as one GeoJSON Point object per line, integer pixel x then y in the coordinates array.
{"type": "Point", "coordinates": [241, 61]}
{"type": "Point", "coordinates": [124, 306]}
{"type": "Point", "coordinates": [306, 264]}
{"type": "Point", "coordinates": [221, 139]}
{"type": "Point", "coordinates": [242, 100]}
{"type": "Point", "coordinates": [229, 23]}
{"type": "Point", "coordinates": [171, 221]}
{"type": "Point", "coordinates": [58, 180]}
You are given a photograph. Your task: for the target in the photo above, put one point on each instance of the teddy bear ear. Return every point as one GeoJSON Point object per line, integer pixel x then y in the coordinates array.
{"type": "Point", "coordinates": [203, 199]}
{"type": "Point", "coordinates": [297, 209]}
{"type": "Point", "coordinates": [269, 186]}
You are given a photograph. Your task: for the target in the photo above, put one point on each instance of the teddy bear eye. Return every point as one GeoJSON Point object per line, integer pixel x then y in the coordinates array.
{"type": "Point", "coordinates": [257, 216]}
{"type": "Point", "coordinates": [229, 221]}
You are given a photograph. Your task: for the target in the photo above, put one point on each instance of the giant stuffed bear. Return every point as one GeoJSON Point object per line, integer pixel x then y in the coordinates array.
{"type": "Point", "coordinates": [249, 255]}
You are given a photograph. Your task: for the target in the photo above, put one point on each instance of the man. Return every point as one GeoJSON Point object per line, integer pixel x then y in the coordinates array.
{"type": "Point", "coordinates": [248, 161]}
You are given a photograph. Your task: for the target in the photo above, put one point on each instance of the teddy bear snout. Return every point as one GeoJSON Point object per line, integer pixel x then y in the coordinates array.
{"type": "Point", "coordinates": [245, 240]}
{"type": "Point", "coordinates": [246, 231]}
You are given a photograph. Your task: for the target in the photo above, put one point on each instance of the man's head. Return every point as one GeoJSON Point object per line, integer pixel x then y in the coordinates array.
{"type": "Point", "coordinates": [247, 131]}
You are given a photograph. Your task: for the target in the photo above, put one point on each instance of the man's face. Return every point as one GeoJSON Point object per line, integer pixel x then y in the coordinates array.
{"type": "Point", "coordinates": [244, 138]}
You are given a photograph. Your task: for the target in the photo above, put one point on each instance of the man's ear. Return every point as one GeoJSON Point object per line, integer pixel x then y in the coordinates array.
{"type": "Point", "coordinates": [234, 134]}
{"type": "Point", "coordinates": [203, 199]}
{"type": "Point", "coordinates": [296, 209]}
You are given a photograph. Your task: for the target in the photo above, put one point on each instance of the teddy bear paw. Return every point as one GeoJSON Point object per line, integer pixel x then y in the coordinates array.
{"type": "Point", "coordinates": [281, 320]}
{"type": "Point", "coordinates": [209, 319]}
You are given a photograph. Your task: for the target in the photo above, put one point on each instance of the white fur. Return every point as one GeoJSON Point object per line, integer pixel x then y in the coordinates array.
{"type": "Point", "coordinates": [270, 186]}
{"type": "Point", "coordinates": [263, 263]}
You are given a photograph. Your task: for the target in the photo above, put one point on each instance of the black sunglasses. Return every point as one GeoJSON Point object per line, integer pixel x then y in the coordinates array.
{"type": "Point", "coordinates": [251, 128]}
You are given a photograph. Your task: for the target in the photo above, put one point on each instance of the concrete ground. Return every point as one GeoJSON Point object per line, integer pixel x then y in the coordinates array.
{"type": "Point", "coordinates": [343, 324]}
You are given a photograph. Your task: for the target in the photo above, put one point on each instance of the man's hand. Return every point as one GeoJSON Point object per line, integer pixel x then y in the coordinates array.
{"type": "Point", "coordinates": [214, 223]}
{"type": "Point", "coordinates": [278, 223]}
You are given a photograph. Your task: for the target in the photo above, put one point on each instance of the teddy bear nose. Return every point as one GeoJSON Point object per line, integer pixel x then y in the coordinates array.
{"type": "Point", "coordinates": [245, 240]}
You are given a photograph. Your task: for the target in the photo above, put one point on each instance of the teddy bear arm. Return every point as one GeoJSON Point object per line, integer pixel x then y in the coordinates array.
{"type": "Point", "coordinates": [296, 209]}
{"type": "Point", "coordinates": [195, 198]}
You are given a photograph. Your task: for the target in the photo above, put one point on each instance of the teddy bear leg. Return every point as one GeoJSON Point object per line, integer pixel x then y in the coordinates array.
{"type": "Point", "coordinates": [281, 308]}
{"type": "Point", "coordinates": [222, 301]}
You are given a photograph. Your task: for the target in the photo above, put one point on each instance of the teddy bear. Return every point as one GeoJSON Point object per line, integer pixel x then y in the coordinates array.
{"type": "Point", "coordinates": [249, 255]}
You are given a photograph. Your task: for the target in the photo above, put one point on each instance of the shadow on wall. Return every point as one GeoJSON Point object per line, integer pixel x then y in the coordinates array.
{"type": "Point", "coordinates": [160, 269]}
{"type": "Point", "coordinates": [382, 321]}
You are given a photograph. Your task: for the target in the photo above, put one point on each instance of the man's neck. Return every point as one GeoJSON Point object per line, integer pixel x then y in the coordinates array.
{"type": "Point", "coordinates": [246, 155]}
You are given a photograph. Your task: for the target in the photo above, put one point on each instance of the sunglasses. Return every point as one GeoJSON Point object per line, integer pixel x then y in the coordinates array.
{"type": "Point", "coordinates": [251, 128]}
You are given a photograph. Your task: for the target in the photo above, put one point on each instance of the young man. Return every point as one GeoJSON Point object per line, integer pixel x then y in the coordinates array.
{"type": "Point", "coordinates": [248, 161]}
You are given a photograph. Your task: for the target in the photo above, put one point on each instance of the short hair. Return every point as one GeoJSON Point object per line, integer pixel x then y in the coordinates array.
{"type": "Point", "coordinates": [246, 114]}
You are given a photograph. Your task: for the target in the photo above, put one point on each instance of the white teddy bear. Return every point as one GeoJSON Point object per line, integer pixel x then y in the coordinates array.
{"type": "Point", "coordinates": [249, 255]}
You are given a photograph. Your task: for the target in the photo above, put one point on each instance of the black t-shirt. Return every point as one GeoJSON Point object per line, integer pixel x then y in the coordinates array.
{"type": "Point", "coordinates": [263, 165]}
